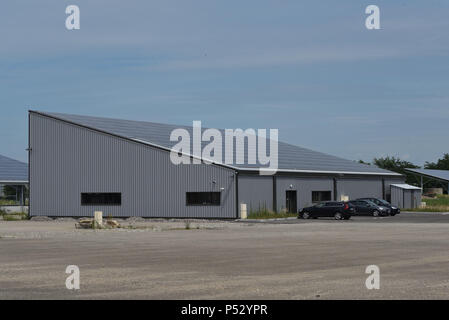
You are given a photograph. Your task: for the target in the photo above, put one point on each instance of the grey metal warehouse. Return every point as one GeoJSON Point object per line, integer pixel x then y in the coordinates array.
{"type": "Point", "coordinates": [79, 164]}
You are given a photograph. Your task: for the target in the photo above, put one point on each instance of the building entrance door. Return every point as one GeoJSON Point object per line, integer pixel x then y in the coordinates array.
{"type": "Point", "coordinates": [290, 197]}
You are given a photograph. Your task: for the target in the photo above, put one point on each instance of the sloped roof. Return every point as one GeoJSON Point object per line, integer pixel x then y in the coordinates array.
{"type": "Point", "coordinates": [12, 170]}
{"type": "Point", "coordinates": [290, 157]}
{"type": "Point", "coordinates": [405, 186]}
{"type": "Point", "coordinates": [438, 174]}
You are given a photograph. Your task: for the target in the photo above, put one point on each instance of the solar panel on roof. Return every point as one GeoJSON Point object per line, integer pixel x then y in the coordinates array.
{"type": "Point", "coordinates": [439, 174]}
{"type": "Point", "coordinates": [13, 170]}
{"type": "Point", "coordinates": [290, 157]}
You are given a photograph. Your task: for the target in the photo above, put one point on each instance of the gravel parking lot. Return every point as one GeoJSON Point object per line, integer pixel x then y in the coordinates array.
{"type": "Point", "coordinates": [288, 259]}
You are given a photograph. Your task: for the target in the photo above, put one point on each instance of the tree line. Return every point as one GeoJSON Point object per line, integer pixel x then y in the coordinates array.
{"type": "Point", "coordinates": [397, 165]}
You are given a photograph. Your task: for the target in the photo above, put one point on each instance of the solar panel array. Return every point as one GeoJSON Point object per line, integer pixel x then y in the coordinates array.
{"type": "Point", "coordinates": [290, 157]}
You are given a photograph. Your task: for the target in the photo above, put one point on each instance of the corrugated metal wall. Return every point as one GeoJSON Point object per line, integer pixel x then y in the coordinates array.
{"type": "Point", "coordinates": [67, 160]}
{"type": "Point", "coordinates": [256, 192]}
{"type": "Point", "coordinates": [417, 194]}
{"type": "Point", "coordinates": [400, 197]}
{"type": "Point", "coordinates": [397, 197]}
{"type": "Point", "coordinates": [359, 187]}
{"type": "Point", "coordinates": [303, 186]}
{"type": "Point", "coordinates": [405, 199]}
{"type": "Point", "coordinates": [388, 183]}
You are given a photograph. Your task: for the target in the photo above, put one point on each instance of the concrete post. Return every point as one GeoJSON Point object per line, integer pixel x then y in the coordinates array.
{"type": "Point", "coordinates": [98, 218]}
{"type": "Point", "coordinates": [243, 212]}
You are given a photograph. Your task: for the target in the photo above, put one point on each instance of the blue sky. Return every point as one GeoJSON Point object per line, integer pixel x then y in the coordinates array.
{"type": "Point", "coordinates": [309, 68]}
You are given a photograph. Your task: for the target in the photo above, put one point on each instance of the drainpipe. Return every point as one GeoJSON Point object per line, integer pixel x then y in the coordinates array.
{"type": "Point", "coordinates": [335, 189]}
{"type": "Point", "coordinates": [237, 206]}
{"type": "Point", "coordinates": [275, 208]}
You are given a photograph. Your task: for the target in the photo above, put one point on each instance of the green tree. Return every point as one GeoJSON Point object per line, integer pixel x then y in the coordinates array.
{"type": "Point", "coordinates": [441, 164]}
{"type": "Point", "coordinates": [396, 165]}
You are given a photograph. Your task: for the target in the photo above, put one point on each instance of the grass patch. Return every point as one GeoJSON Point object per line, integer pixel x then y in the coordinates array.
{"type": "Point", "coordinates": [14, 216]}
{"type": "Point", "coordinates": [428, 209]}
{"type": "Point", "coordinates": [264, 213]}
{"type": "Point", "coordinates": [439, 200]}
{"type": "Point", "coordinates": [438, 204]}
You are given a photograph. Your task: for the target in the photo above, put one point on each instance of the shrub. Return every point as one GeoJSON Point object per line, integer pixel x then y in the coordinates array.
{"type": "Point", "coordinates": [264, 213]}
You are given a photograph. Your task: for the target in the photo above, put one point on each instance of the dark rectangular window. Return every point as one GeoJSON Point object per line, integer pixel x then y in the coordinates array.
{"type": "Point", "coordinates": [97, 199]}
{"type": "Point", "coordinates": [318, 196]}
{"type": "Point", "coordinates": [203, 198]}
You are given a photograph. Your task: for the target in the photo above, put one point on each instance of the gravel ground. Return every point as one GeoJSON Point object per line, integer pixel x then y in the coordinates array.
{"type": "Point", "coordinates": [290, 259]}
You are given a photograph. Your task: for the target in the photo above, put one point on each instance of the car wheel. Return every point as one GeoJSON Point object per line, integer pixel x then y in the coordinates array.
{"type": "Point", "coordinates": [375, 213]}
{"type": "Point", "coordinates": [338, 216]}
{"type": "Point", "coordinates": [392, 214]}
{"type": "Point", "coordinates": [305, 215]}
